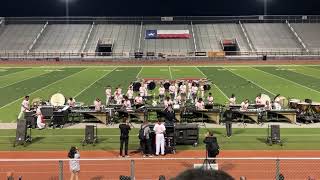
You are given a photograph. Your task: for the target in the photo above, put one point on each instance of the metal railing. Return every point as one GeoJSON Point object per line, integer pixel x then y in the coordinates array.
{"type": "Point", "coordinates": [152, 168]}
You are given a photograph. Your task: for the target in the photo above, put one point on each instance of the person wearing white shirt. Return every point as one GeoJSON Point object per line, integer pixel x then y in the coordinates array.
{"type": "Point", "coordinates": [183, 89]}
{"type": "Point", "coordinates": [194, 90]}
{"type": "Point", "coordinates": [142, 91]}
{"type": "Point", "coordinates": [40, 121]}
{"type": "Point", "coordinates": [127, 103]}
{"type": "Point", "coordinates": [25, 107]}
{"type": "Point", "coordinates": [189, 89]}
{"type": "Point", "coordinates": [130, 93]}
{"type": "Point", "coordinates": [159, 130]}
{"type": "Point", "coordinates": [232, 100]}
{"type": "Point", "coordinates": [267, 106]}
{"type": "Point", "coordinates": [172, 90]}
{"type": "Point", "coordinates": [178, 99]}
{"type": "Point", "coordinates": [71, 102]}
{"type": "Point", "coordinates": [162, 90]}
{"type": "Point", "coordinates": [210, 99]}
{"type": "Point", "coordinates": [276, 105]}
{"type": "Point", "coordinates": [201, 89]}
{"type": "Point", "coordinates": [167, 102]}
{"type": "Point", "coordinates": [200, 104]}
{"type": "Point", "coordinates": [258, 100]}
{"type": "Point", "coordinates": [118, 98]}
{"type": "Point", "coordinates": [138, 100]}
{"type": "Point", "coordinates": [244, 105]}
{"type": "Point", "coordinates": [97, 104]}
{"type": "Point", "coordinates": [108, 95]}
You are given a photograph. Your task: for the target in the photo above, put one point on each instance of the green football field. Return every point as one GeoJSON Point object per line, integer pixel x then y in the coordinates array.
{"type": "Point", "coordinates": [85, 83]}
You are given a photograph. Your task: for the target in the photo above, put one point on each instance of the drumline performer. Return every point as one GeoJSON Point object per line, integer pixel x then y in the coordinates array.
{"type": "Point", "coordinates": [167, 102]}
{"type": "Point", "coordinates": [126, 103]}
{"type": "Point", "coordinates": [276, 103]}
{"type": "Point", "coordinates": [244, 105]}
{"type": "Point", "coordinates": [162, 91]}
{"type": "Point", "coordinates": [97, 104]}
{"type": "Point", "coordinates": [259, 100]}
{"type": "Point", "coordinates": [200, 104]}
{"type": "Point", "coordinates": [201, 89]}
{"type": "Point", "coordinates": [40, 119]}
{"type": "Point", "coordinates": [130, 93]}
{"type": "Point", "coordinates": [172, 90]}
{"type": "Point", "coordinates": [108, 94]}
{"type": "Point", "coordinates": [232, 100]}
{"type": "Point", "coordinates": [210, 98]}
{"type": "Point", "coordinates": [194, 91]}
{"type": "Point", "coordinates": [189, 89]}
{"type": "Point", "coordinates": [71, 102]}
{"type": "Point", "coordinates": [267, 106]}
{"type": "Point", "coordinates": [145, 85]}
{"type": "Point", "coordinates": [118, 98]}
{"type": "Point", "coordinates": [138, 100]}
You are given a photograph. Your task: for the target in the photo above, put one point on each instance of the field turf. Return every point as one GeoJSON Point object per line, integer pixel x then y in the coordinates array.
{"type": "Point", "coordinates": [242, 139]}
{"type": "Point", "coordinates": [87, 83]}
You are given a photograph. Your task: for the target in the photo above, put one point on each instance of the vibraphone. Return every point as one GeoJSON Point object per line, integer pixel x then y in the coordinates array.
{"type": "Point", "coordinates": [104, 115]}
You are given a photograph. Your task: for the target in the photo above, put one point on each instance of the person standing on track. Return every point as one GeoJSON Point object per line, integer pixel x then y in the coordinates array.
{"type": "Point", "coordinates": [74, 163]}
{"type": "Point", "coordinates": [124, 137]}
{"type": "Point", "coordinates": [159, 130]}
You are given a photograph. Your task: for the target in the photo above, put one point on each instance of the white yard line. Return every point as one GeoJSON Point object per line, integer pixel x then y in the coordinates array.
{"type": "Point", "coordinates": [288, 80]}
{"type": "Point", "coordinates": [170, 73]}
{"type": "Point", "coordinates": [43, 88]}
{"type": "Point", "coordinates": [213, 84]}
{"type": "Point", "coordinates": [94, 82]}
{"type": "Point", "coordinates": [139, 73]}
{"type": "Point", "coordinates": [250, 81]}
{"type": "Point", "coordinates": [15, 72]}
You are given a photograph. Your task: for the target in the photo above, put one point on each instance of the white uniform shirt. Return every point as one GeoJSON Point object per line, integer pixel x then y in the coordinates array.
{"type": "Point", "coordinates": [244, 106]}
{"type": "Point", "coordinates": [178, 99]}
{"type": "Point", "coordinates": [108, 92]}
{"type": "Point", "coordinates": [71, 103]}
{"type": "Point", "coordinates": [138, 100]}
{"type": "Point", "coordinates": [194, 89]}
{"type": "Point", "coordinates": [200, 105]}
{"type": "Point", "coordinates": [267, 107]}
{"type": "Point", "coordinates": [162, 90]}
{"type": "Point", "coordinates": [97, 105]}
{"type": "Point", "coordinates": [258, 101]}
{"type": "Point", "coordinates": [118, 99]}
{"type": "Point", "coordinates": [277, 106]}
{"type": "Point", "coordinates": [232, 101]}
{"type": "Point", "coordinates": [172, 89]}
{"type": "Point", "coordinates": [74, 163]}
{"type": "Point", "coordinates": [167, 103]}
{"type": "Point", "coordinates": [159, 128]}
{"type": "Point", "coordinates": [130, 93]}
{"type": "Point", "coordinates": [127, 104]}
{"type": "Point", "coordinates": [210, 99]}
{"type": "Point", "coordinates": [141, 91]}
{"type": "Point", "coordinates": [183, 88]}
{"type": "Point", "coordinates": [24, 106]}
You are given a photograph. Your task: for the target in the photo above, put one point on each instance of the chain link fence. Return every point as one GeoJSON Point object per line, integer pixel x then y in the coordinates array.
{"type": "Point", "coordinates": [153, 168]}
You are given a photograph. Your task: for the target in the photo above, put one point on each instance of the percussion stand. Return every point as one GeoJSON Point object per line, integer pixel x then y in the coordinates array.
{"type": "Point", "coordinates": [202, 120]}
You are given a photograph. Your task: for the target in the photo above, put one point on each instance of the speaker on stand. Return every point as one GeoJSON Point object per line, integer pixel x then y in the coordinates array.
{"type": "Point", "coordinates": [91, 135]}
{"type": "Point", "coordinates": [274, 135]}
{"type": "Point", "coordinates": [22, 135]}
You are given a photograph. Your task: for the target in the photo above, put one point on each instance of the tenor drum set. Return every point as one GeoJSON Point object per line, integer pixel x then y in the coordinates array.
{"type": "Point", "coordinates": [307, 110]}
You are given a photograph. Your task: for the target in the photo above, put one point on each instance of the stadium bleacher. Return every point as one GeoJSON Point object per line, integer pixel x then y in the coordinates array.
{"type": "Point", "coordinates": [81, 37]}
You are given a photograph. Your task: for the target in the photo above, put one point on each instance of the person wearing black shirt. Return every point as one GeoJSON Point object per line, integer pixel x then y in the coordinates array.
{"type": "Point", "coordinates": [169, 115]}
{"type": "Point", "coordinates": [228, 114]}
{"type": "Point", "coordinates": [124, 137]}
{"type": "Point", "coordinates": [212, 146]}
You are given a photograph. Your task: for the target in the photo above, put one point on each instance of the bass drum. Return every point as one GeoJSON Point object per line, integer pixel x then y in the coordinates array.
{"type": "Point", "coordinates": [136, 86]}
{"type": "Point", "coordinates": [57, 99]}
{"type": "Point", "coordinates": [207, 87]}
{"type": "Point", "coordinates": [151, 85]}
{"type": "Point", "coordinates": [166, 85]}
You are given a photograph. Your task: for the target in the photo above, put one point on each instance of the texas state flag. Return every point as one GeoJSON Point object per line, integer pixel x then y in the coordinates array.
{"type": "Point", "coordinates": [167, 34]}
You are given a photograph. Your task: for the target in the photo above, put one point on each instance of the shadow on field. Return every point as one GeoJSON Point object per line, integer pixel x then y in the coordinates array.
{"type": "Point", "coordinates": [238, 131]}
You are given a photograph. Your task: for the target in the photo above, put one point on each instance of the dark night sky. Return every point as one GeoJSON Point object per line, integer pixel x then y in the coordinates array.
{"type": "Point", "coordinates": [157, 7]}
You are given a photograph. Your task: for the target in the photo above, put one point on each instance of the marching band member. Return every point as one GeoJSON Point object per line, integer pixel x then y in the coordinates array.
{"type": "Point", "coordinates": [276, 103]}
{"type": "Point", "coordinates": [176, 89]}
{"type": "Point", "coordinates": [232, 100]}
{"type": "Point", "coordinates": [130, 92]}
{"type": "Point", "coordinates": [25, 107]}
{"type": "Point", "coordinates": [244, 105]}
{"type": "Point", "coordinates": [142, 91]}
{"type": "Point", "coordinates": [267, 106]}
{"type": "Point", "coordinates": [200, 104]}
{"type": "Point", "coordinates": [40, 119]}
{"type": "Point", "coordinates": [172, 90]}
{"type": "Point", "coordinates": [162, 90]}
{"type": "Point", "coordinates": [119, 90]}
{"type": "Point", "coordinates": [71, 102]}
{"type": "Point", "coordinates": [258, 100]}
{"type": "Point", "coordinates": [189, 89]}
{"type": "Point", "coordinates": [178, 99]}
{"type": "Point", "coordinates": [138, 100]}
{"type": "Point", "coordinates": [183, 89]}
{"type": "Point", "coordinates": [167, 102]}
{"type": "Point", "coordinates": [108, 94]}
{"type": "Point", "coordinates": [118, 98]}
{"type": "Point", "coordinates": [194, 90]}
{"type": "Point", "coordinates": [97, 104]}
{"type": "Point", "coordinates": [127, 103]}
{"type": "Point", "coordinates": [145, 86]}
{"type": "Point", "coordinates": [210, 98]}
{"type": "Point", "coordinates": [201, 89]}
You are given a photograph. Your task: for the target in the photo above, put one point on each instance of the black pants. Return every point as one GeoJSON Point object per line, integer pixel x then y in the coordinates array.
{"type": "Point", "coordinates": [229, 128]}
{"type": "Point", "coordinates": [146, 146]}
{"type": "Point", "coordinates": [124, 140]}
{"type": "Point", "coordinates": [212, 154]}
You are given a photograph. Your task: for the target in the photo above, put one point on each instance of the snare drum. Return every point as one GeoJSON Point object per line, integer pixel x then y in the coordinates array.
{"type": "Point", "coordinates": [316, 107]}
{"type": "Point", "coordinates": [302, 106]}
{"type": "Point", "coordinates": [293, 103]}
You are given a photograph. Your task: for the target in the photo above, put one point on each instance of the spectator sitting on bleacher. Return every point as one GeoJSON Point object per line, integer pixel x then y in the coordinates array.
{"type": "Point", "coordinates": [196, 174]}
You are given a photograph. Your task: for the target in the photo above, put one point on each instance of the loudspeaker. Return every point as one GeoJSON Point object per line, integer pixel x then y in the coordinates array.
{"type": "Point", "coordinates": [89, 134]}
{"type": "Point", "coordinates": [21, 132]}
{"type": "Point", "coordinates": [31, 119]}
{"type": "Point", "coordinates": [275, 132]}
{"type": "Point", "coordinates": [187, 134]}
{"type": "Point", "coordinates": [264, 57]}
